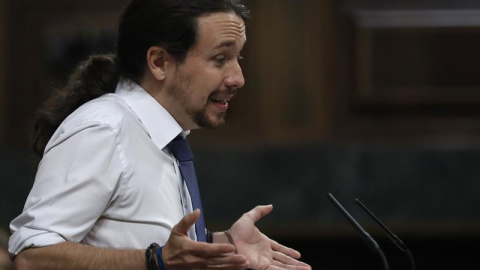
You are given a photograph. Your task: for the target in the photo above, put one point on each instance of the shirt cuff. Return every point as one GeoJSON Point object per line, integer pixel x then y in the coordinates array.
{"type": "Point", "coordinates": [27, 238]}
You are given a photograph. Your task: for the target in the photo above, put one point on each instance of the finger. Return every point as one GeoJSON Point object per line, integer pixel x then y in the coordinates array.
{"type": "Point", "coordinates": [260, 211]}
{"type": "Point", "coordinates": [200, 249]}
{"type": "Point", "coordinates": [286, 260]}
{"type": "Point", "coordinates": [202, 264]}
{"type": "Point", "coordinates": [187, 221]}
{"type": "Point", "coordinates": [273, 267]}
{"type": "Point", "coordinates": [282, 266]}
{"type": "Point", "coordinates": [228, 267]}
{"type": "Point", "coordinates": [231, 259]}
{"type": "Point", "coordinates": [285, 250]}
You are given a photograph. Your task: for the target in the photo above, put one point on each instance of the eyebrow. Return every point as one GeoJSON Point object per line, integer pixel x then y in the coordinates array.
{"type": "Point", "coordinates": [225, 44]}
{"type": "Point", "coordinates": [228, 43]}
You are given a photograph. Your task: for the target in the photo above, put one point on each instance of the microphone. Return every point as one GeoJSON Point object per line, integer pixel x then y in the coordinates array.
{"type": "Point", "coordinates": [365, 236]}
{"type": "Point", "coordinates": [399, 243]}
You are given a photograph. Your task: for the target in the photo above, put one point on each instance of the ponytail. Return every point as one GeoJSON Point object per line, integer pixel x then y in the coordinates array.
{"type": "Point", "coordinates": [94, 77]}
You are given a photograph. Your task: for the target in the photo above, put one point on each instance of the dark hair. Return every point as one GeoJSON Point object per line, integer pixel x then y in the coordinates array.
{"type": "Point", "coordinates": [171, 24]}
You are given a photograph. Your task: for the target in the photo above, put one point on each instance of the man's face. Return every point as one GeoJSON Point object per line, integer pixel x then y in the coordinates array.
{"type": "Point", "coordinates": [210, 75]}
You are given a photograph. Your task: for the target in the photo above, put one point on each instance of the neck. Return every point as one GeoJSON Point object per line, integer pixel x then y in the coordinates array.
{"type": "Point", "coordinates": [157, 90]}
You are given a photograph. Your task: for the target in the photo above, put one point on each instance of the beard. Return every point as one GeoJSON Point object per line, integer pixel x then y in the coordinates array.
{"type": "Point", "coordinates": [201, 119]}
{"type": "Point", "coordinates": [182, 92]}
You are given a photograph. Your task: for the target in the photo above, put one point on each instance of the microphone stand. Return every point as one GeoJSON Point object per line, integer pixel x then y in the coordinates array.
{"type": "Point", "coordinates": [397, 241]}
{"type": "Point", "coordinates": [365, 236]}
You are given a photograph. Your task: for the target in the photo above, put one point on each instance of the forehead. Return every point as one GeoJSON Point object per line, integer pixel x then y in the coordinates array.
{"type": "Point", "coordinates": [219, 29]}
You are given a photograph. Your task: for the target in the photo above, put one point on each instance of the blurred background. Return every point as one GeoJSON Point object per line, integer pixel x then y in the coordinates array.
{"type": "Point", "coordinates": [376, 100]}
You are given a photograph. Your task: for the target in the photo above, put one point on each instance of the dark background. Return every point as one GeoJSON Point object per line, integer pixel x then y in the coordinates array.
{"type": "Point", "coordinates": [376, 100]}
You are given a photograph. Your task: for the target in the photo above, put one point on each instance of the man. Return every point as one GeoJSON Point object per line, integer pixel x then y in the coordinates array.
{"type": "Point", "coordinates": [110, 181]}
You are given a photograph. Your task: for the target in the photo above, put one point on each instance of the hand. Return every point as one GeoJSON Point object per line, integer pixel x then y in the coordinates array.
{"type": "Point", "coordinates": [262, 252]}
{"type": "Point", "coordinates": [181, 252]}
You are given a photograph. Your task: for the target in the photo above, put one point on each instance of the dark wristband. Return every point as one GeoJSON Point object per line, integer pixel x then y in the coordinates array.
{"type": "Point", "coordinates": [209, 237]}
{"type": "Point", "coordinates": [150, 256]}
{"type": "Point", "coordinates": [158, 253]}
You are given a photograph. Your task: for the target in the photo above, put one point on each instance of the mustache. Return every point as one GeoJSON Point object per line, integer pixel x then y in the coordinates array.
{"type": "Point", "coordinates": [229, 92]}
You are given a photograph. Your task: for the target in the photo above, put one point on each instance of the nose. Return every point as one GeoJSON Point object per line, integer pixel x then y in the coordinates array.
{"type": "Point", "coordinates": [234, 78]}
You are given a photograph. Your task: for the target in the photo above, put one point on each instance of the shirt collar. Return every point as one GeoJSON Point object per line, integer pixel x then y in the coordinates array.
{"type": "Point", "coordinates": [158, 122]}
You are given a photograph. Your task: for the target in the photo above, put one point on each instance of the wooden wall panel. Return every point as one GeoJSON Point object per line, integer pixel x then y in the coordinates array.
{"type": "Point", "coordinates": [410, 80]}
{"type": "Point", "coordinates": [291, 46]}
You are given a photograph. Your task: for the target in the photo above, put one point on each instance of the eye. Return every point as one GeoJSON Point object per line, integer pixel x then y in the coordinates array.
{"type": "Point", "coordinates": [220, 59]}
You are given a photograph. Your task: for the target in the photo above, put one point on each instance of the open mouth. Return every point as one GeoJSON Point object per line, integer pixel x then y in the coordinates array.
{"type": "Point", "coordinates": [220, 101]}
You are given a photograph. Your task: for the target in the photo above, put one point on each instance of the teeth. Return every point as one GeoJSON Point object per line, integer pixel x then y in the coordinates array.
{"type": "Point", "coordinates": [224, 102]}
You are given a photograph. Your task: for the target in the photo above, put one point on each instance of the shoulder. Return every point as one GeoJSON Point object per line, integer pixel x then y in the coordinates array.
{"type": "Point", "coordinates": [109, 109]}
{"type": "Point", "coordinates": [108, 112]}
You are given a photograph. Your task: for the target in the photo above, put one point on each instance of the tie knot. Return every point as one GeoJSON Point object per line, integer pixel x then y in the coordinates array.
{"type": "Point", "coordinates": [180, 149]}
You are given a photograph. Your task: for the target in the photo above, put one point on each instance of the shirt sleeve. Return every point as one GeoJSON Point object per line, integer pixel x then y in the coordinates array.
{"type": "Point", "coordinates": [74, 184]}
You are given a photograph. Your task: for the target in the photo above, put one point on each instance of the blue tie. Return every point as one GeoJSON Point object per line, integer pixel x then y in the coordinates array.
{"type": "Point", "coordinates": [181, 150]}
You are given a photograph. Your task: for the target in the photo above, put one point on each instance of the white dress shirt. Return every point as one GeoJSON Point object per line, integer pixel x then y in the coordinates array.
{"type": "Point", "coordinates": [106, 178]}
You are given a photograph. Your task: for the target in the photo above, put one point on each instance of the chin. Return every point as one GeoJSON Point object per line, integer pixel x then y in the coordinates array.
{"type": "Point", "coordinates": [212, 124]}
{"type": "Point", "coordinates": [206, 122]}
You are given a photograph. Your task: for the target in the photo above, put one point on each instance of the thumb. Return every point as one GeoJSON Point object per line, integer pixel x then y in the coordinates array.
{"type": "Point", "coordinates": [187, 221]}
{"type": "Point", "coordinates": [260, 211]}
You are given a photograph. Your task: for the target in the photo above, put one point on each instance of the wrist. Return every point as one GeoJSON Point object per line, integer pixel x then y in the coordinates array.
{"type": "Point", "coordinates": [150, 257]}
{"type": "Point", "coordinates": [210, 237]}
{"type": "Point", "coordinates": [153, 257]}
{"type": "Point", "coordinates": [224, 238]}
{"type": "Point", "coordinates": [159, 256]}
{"type": "Point", "coordinates": [220, 238]}
{"type": "Point", "coordinates": [230, 239]}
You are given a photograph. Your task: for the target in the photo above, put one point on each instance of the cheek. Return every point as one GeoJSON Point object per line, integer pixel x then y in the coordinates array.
{"type": "Point", "coordinates": [202, 80]}
{"type": "Point", "coordinates": [208, 83]}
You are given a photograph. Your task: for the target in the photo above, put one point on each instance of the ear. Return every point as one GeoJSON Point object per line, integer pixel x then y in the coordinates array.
{"type": "Point", "coordinates": [158, 60]}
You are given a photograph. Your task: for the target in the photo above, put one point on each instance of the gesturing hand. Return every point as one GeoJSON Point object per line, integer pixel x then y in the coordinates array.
{"type": "Point", "coordinates": [181, 252]}
{"type": "Point", "coordinates": [261, 252]}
